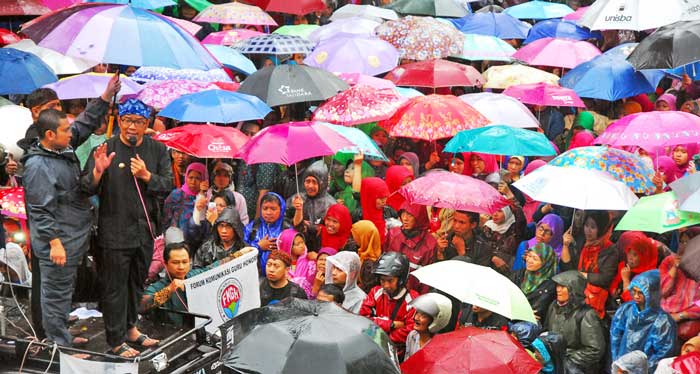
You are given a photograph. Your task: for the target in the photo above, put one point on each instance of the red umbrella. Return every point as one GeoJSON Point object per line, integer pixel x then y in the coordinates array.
{"type": "Point", "coordinates": [23, 8]}
{"type": "Point", "coordinates": [472, 350]}
{"type": "Point", "coordinates": [435, 73]}
{"type": "Point", "coordinates": [433, 117]}
{"type": "Point", "coordinates": [8, 37]}
{"type": "Point", "coordinates": [204, 141]}
{"type": "Point", "coordinates": [298, 7]}
{"type": "Point", "coordinates": [360, 104]}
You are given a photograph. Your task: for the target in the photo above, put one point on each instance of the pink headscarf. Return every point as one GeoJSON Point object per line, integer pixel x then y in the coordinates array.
{"type": "Point", "coordinates": [668, 167]}
{"type": "Point", "coordinates": [490, 164]}
{"type": "Point", "coordinates": [581, 139]}
{"type": "Point", "coordinates": [669, 99]}
{"type": "Point", "coordinates": [198, 167]}
{"type": "Point", "coordinates": [304, 270]}
{"type": "Point", "coordinates": [531, 205]}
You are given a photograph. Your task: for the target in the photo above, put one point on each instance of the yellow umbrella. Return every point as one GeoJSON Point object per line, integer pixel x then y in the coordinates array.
{"type": "Point", "coordinates": [505, 76]}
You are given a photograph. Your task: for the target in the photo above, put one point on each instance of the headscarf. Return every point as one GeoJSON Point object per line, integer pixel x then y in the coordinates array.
{"type": "Point", "coordinates": [645, 248]}
{"type": "Point", "coordinates": [374, 188]}
{"type": "Point", "coordinates": [368, 241]}
{"type": "Point", "coordinates": [631, 107]}
{"type": "Point", "coordinates": [507, 222]}
{"type": "Point", "coordinates": [556, 224]}
{"type": "Point", "coordinates": [198, 167]}
{"type": "Point", "coordinates": [395, 175]}
{"type": "Point", "coordinates": [669, 99]}
{"type": "Point", "coordinates": [694, 107]}
{"type": "Point", "coordinates": [581, 139]}
{"type": "Point", "coordinates": [419, 212]}
{"type": "Point", "coordinates": [134, 106]}
{"type": "Point", "coordinates": [337, 240]}
{"type": "Point", "coordinates": [534, 165]}
{"type": "Point", "coordinates": [413, 159]}
{"type": "Point", "coordinates": [585, 119]}
{"type": "Point", "coordinates": [666, 165]}
{"type": "Point", "coordinates": [533, 279]}
{"type": "Point", "coordinates": [691, 149]}
{"type": "Point", "coordinates": [304, 269]}
{"type": "Point", "coordinates": [531, 205]}
{"type": "Point", "coordinates": [490, 163]}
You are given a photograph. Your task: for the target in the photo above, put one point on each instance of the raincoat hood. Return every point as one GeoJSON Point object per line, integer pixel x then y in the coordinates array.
{"type": "Point", "coordinates": [525, 332]}
{"type": "Point", "coordinates": [286, 241]}
{"type": "Point", "coordinates": [230, 216]}
{"type": "Point", "coordinates": [419, 212]}
{"type": "Point", "coordinates": [319, 171]}
{"type": "Point", "coordinates": [643, 246]}
{"type": "Point", "coordinates": [260, 228]}
{"type": "Point", "coordinates": [649, 283]}
{"type": "Point", "coordinates": [348, 262]}
{"type": "Point", "coordinates": [634, 362]}
{"type": "Point", "coordinates": [13, 256]}
{"type": "Point", "coordinates": [576, 285]}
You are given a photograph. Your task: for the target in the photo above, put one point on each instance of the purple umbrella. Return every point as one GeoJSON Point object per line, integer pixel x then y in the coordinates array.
{"type": "Point", "coordinates": [355, 26]}
{"type": "Point", "coordinates": [370, 56]}
{"type": "Point", "coordinates": [91, 85]}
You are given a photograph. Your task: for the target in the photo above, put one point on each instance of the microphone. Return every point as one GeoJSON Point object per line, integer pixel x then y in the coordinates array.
{"type": "Point", "coordinates": [132, 140]}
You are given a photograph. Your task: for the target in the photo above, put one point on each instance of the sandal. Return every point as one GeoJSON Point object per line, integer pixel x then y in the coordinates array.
{"type": "Point", "coordinates": [123, 350]}
{"type": "Point", "coordinates": [141, 339]}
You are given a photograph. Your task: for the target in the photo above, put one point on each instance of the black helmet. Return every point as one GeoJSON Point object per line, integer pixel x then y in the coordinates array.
{"type": "Point", "coordinates": [393, 264]}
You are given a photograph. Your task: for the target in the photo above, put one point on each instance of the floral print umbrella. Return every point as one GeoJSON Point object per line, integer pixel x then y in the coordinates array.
{"type": "Point", "coordinates": [160, 94]}
{"type": "Point", "coordinates": [422, 38]}
{"type": "Point", "coordinates": [235, 13]}
{"type": "Point", "coordinates": [360, 104]}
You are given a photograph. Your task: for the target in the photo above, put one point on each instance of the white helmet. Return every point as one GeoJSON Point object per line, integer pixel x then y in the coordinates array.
{"type": "Point", "coordinates": [437, 306]}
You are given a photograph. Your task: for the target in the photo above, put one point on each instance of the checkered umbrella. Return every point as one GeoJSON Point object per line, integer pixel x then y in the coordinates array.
{"type": "Point", "coordinates": [275, 44]}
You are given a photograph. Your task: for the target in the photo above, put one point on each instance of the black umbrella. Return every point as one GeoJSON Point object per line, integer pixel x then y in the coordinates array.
{"type": "Point", "coordinates": [434, 8]}
{"type": "Point", "coordinates": [668, 47]}
{"type": "Point", "coordinates": [301, 337]}
{"type": "Point", "coordinates": [288, 84]}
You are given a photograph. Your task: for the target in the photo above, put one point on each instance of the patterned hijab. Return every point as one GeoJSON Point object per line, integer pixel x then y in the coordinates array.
{"type": "Point", "coordinates": [533, 279]}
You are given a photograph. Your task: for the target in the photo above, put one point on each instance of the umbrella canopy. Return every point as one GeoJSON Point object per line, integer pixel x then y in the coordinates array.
{"type": "Point", "coordinates": [232, 59]}
{"type": "Point", "coordinates": [364, 11]}
{"type": "Point", "coordinates": [145, 4]}
{"type": "Point", "coordinates": [407, 92]}
{"type": "Point", "coordinates": [657, 213]}
{"type": "Point", "coordinates": [235, 13]}
{"type": "Point", "coordinates": [502, 77]}
{"type": "Point", "coordinates": [297, 30]}
{"type": "Point", "coordinates": [687, 190]}
{"type": "Point", "coordinates": [637, 15]}
{"type": "Point", "coordinates": [443, 189]}
{"type": "Point", "coordinates": [499, 108]}
{"type": "Point", "coordinates": [287, 84]}
{"type": "Point", "coordinates": [354, 79]}
{"type": "Point", "coordinates": [60, 64]}
{"type": "Point", "coordinates": [91, 85]}
{"type": "Point", "coordinates": [575, 16]}
{"type": "Point", "coordinates": [307, 336]}
{"type": "Point", "coordinates": [275, 44]}
{"type": "Point", "coordinates": [362, 143]}
{"type": "Point", "coordinates": [22, 72]}
{"type": "Point", "coordinates": [484, 47]}
{"type": "Point", "coordinates": [152, 73]}
{"type": "Point", "coordinates": [500, 25]}
{"type": "Point", "coordinates": [545, 94]}
{"type": "Point", "coordinates": [652, 129]}
{"type": "Point", "coordinates": [435, 73]}
{"type": "Point", "coordinates": [433, 117]}
{"type": "Point", "coordinates": [298, 7]}
{"type": "Point", "coordinates": [360, 104]}
{"type": "Point", "coordinates": [421, 38]}
{"type": "Point", "coordinates": [501, 140]}
{"type": "Point", "coordinates": [548, 52]}
{"type": "Point", "coordinates": [204, 141]}
{"type": "Point", "coordinates": [230, 37]}
{"type": "Point", "coordinates": [370, 56]}
{"type": "Point", "coordinates": [668, 47]}
{"type": "Point", "coordinates": [433, 8]}
{"type": "Point", "coordinates": [216, 106]}
{"type": "Point", "coordinates": [623, 166]}
{"type": "Point", "coordinates": [8, 37]}
{"type": "Point", "coordinates": [556, 28]}
{"type": "Point", "coordinates": [23, 8]}
{"type": "Point", "coordinates": [537, 9]}
{"type": "Point", "coordinates": [354, 26]}
{"type": "Point", "coordinates": [12, 203]}
{"type": "Point", "coordinates": [20, 118]}
{"type": "Point", "coordinates": [159, 94]}
{"type": "Point", "coordinates": [101, 32]}
{"type": "Point", "coordinates": [576, 188]}
{"type": "Point", "coordinates": [477, 285]}
{"type": "Point", "coordinates": [472, 350]}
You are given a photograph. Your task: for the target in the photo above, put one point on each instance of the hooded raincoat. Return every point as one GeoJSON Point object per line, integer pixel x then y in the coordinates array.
{"type": "Point", "coordinates": [417, 244]}
{"type": "Point", "coordinates": [257, 229]}
{"type": "Point", "coordinates": [303, 270]}
{"type": "Point", "coordinates": [213, 249]}
{"type": "Point", "coordinates": [13, 257]}
{"type": "Point", "coordinates": [648, 255]}
{"type": "Point", "coordinates": [634, 362]}
{"type": "Point", "coordinates": [315, 207]}
{"type": "Point", "coordinates": [349, 263]}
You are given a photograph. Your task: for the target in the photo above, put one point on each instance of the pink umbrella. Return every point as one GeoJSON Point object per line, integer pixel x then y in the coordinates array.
{"type": "Point", "coordinates": [160, 93]}
{"type": "Point", "coordinates": [444, 189]}
{"type": "Point", "coordinates": [652, 129]}
{"type": "Point", "coordinates": [230, 37]}
{"type": "Point", "coordinates": [58, 4]}
{"type": "Point", "coordinates": [367, 80]}
{"type": "Point", "coordinates": [360, 104]}
{"type": "Point", "coordinates": [575, 16]}
{"type": "Point", "coordinates": [544, 94]}
{"type": "Point", "coordinates": [563, 53]}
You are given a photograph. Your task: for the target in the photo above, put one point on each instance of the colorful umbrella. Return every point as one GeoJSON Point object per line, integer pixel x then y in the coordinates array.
{"type": "Point", "coordinates": [362, 143]}
{"type": "Point", "coordinates": [483, 47]}
{"type": "Point", "coordinates": [287, 84]}
{"type": "Point", "coordinates": [298, 7]}
{"type": "Point", "coordinates": [360, 104]}
{"type": "Point", "coordinates": [151, 73]}
{"type": "Point", "coordinates": [544, 94]}
{"type": "Point", "coordinates": [91, 85]}
{"type": "Point", "coordinates": [537, 9]}
{"type": "Point", "coordinates": [58, 4]}
{"type": "Point", "coordinates": [232, 59]}
{"type": "Point", "coordinates": [101, 32]}
{"type": "Point", "coordinates": [292, 142]}
{"type": "Point", "coordinates": [275, 44]}
{"type": "Point", "coordinates": [433, 8]}
{"type": "Point", "coordinates": [421, 38]}
{"type": "Point", "coordinates": [477, 285]}
{"type": "Point", "coordinates": [667, 47]}
{"type": "Point", "coordinates": [407, 92]}
{"type": "Point", "coordinates": [364, 11]}
{"type": "Point", "coordinates": [22, 72]}
{"type": "Point", "coordinates": [217, 106]}
{"type": "Point", "coordinates": [204, 141]}
{"type": "Point", "coordinates": [23, 8]}
{"type": "Point", "coordinates": [499, 25]}
{"type": "Point", "coordinates": [20, 118]}
{"type": "Point", "coordinates": [12, 202]}
{"type": "Point", "coordinates": [443, 189]}
{"type": "Point", "coordinates": [623, 166]}
{"type": "Point", "coordinates": [575, 16]}
{"type": "Point", "coordinates": [297, 30]}
{"type": "Point", "coordinates": [548, 52]}
{"type": "Point", "coordinates": [159, 94]}
{"type": "Point", "coordinates": [230, 37]}
{"type": "Point", "coordinates": [501, 140]}
{"type": "Point", "coordinates": [576, 188]}
{"type": "Point", "coordinates": [59, 63]}
{"type": "Point", "coordinates": [190, 27]}
{"type": "Point", "coordinates": [636, 15]}
{"type": "Point", "coordinates": [371, 56]}
{"type": "Point", "coordinates": [471, 350]}
{"type": "Point", "coordinates": [651, 130]}
{"type": "Point", "coordinates": [357, 78]}
{"type": "Point", "coordinates": [433, 117]}
{"type": "Point", "coordinates": [499, 108]}
{"type": "Point", "coordinates": [556, 28]}
{"type": "Point", "coordinates": [8, 37]}
{"type": "Point", "coordinates": [353, 26]}
{"type": "Point", "coordinates": [502, 77]}
{"type": "Point", "coordinates": [235, 13]}
{"type": "Point", "coordinates": [435, 73]}
{"type": "Point", "coordinates": [657, 213]}
{"type": "Point", "coordinates": [686, 190]}
{"type": "Point", "coordinates": [145, 4]}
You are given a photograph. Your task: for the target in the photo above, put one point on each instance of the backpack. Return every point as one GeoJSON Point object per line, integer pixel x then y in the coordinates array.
{"type": "Point", "coordinates": [556, 343]}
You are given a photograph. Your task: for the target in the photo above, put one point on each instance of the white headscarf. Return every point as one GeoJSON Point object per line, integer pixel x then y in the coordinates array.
{"type": "Point", "coordinates": [503, 227]}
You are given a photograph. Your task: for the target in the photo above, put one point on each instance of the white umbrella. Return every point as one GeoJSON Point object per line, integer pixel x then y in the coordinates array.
{"type": "Point", "coordinates": [364, 11]}
{"type": "Point", "coordinates": [478, 285]}
{"type": "Point", "coordinates": [15, 119]}
{"type": "Point", "coordinates": [59, 63]}
{"type": "Point", "coordinates": [501, 109]}
{"type": "Point", "coordinates": [687, 190]}
{"type": "Point", "coordinates": [577, 188]}
{"type": "Point", "coordinates": [638, 15]}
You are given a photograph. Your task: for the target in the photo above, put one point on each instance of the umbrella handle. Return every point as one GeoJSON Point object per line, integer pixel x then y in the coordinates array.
{"type": "Point", "coordinates": [110, 121]}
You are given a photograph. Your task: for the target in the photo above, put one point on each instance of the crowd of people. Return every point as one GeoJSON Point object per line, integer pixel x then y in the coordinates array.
{"type": "Point", "coordinates": [337, 230]}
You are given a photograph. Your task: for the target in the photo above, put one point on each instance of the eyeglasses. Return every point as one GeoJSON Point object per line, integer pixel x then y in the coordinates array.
{"type": "Point", "coordinates": [138, 122]}
{"type": "Point", "coordinates": [544, 231]}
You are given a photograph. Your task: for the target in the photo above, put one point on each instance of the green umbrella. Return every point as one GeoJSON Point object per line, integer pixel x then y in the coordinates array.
{"type": "Point", "coordinates": [657, 213]}
{"type": "Point", "coordinates": [296, 30]}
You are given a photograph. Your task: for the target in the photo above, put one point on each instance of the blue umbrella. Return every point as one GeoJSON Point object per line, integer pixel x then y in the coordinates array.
{"type": "Point", "coordinates": [232, 59]}
{"type": "Point", "coordinates": [216, 106]}
{"type": "Point", "coordinates": [556, 28]}
{"type": "Point", "coordinates": [144, 4]}
{"type": "Point", "coordinates": [362, 142]}
{"type": "Point", "coordinates": [22, 72]}
{"type": "Point", "coordinates": [501, 140]}
{"type": "Point", "coordinates": [408, 92]}
{"type": "Point", "coordinates": [499, 25]}
{"type": "Point", "coordinates": [538, 10]}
